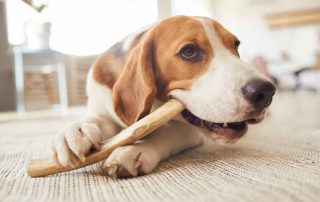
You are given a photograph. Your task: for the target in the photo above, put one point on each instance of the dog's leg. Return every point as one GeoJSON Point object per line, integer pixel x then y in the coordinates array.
{"type": "Point", "coordinates": [75, 141]}
{"type": "Point", "coordinates": [144, 155]}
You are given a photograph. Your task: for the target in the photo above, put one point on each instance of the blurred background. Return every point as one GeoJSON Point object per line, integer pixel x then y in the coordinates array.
{"type": "Point", "coordinates": [47, 46]}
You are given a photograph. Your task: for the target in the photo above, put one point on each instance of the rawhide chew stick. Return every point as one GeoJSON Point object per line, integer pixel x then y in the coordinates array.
{"type": "Point", "coordinates": [48, 166]}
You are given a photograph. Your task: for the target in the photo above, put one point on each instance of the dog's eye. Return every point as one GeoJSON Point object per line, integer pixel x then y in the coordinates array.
{"type": "Point", "coordinates": [190, 52]}
{"type": "Point", "coordinates": [236, 44]}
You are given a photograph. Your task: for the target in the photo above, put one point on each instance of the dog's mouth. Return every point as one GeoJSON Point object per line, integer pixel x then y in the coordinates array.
{"type": "Point", "coordinates": [228, 130]}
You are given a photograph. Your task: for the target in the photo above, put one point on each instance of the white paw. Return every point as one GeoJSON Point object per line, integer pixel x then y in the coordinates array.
{"type": "Point", "coordinates": [131, 161]}
{"type": "Point", "coordinates": [75, 141]}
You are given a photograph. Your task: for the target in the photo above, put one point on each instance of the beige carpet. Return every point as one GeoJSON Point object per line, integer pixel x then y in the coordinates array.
{"type": "Point", "coordinates": [278, 160]}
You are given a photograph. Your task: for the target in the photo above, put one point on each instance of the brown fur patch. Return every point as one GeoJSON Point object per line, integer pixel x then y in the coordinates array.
{"type": "Point", "coordinates": [134, 90]}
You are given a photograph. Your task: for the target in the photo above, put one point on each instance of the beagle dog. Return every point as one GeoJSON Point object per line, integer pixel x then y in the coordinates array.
{"type": "Point", "coordinates": [192, 59]}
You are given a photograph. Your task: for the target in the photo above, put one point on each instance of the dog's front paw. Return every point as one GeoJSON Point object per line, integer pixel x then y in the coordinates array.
{"type": "Point", "coordinates": [72, 143]}
{"type": "Point", "coordinates": [131, 161]}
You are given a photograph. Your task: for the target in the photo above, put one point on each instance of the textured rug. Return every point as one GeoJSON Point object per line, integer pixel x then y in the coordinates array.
{"type": "Point", "coordinates": [279, 160]}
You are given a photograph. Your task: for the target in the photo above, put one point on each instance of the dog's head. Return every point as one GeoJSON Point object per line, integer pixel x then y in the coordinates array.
{"type": "Point", "coordinates": [196, 61]}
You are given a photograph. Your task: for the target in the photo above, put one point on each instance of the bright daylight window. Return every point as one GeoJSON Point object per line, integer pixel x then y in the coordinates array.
{"type": "Point", "coordinates": [82, 27]}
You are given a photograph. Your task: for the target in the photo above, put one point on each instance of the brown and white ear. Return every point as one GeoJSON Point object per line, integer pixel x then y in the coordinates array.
{"type": "Point", "coordinates": [135, 89]}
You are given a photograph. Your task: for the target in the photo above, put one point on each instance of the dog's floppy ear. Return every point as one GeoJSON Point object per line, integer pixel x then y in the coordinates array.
{"type": "Point", "coordinates": [135, 89]}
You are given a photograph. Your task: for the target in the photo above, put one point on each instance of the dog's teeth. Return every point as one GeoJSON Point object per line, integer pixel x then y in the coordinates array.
{"type": "Point", "coordinates": [225, 125]}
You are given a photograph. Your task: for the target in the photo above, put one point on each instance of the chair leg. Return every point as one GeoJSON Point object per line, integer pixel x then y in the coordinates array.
{"type": "Point", "coordinates": [62, 84]}
{"type": "Point", "coordinates": [18, 72]}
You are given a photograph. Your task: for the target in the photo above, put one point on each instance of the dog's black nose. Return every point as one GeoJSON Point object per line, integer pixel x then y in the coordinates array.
{"type": "Point", "coordinates": [259, 93]}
